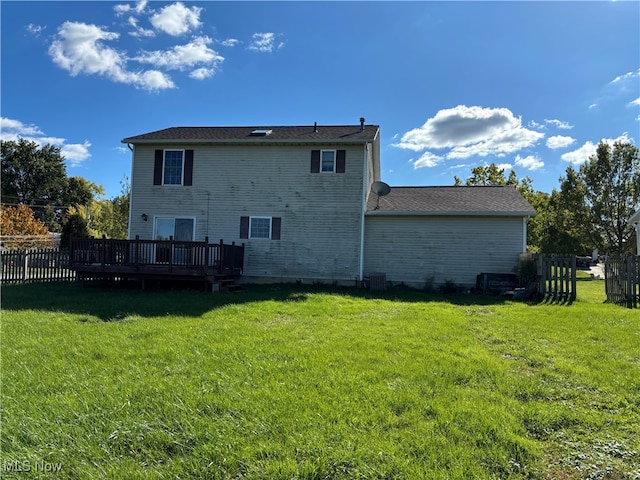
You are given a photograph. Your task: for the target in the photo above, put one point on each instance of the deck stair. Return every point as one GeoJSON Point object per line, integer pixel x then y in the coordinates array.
{"type": "Point", "coordinates": [228, 283]}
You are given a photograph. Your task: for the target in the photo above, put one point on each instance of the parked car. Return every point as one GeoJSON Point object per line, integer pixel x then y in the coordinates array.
{"type": "Point", "coordinates": [584, 261]}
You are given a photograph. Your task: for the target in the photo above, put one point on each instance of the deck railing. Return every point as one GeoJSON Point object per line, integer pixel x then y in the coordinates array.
{"type": "Point", "coordinates": [169, 254]}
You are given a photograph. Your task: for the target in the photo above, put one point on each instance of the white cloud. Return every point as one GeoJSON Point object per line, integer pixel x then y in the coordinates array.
{"type": "Point", "coordinates": [582, 154]}
{"type": "Point", "coordinates": [230, 42]}
{"type": "Point", "coordinates": [176, 19]}
{"type": "Point", "coordinates": [468, 131]}
{"type": "Point", "coordinates": [79, 48]}
{"type": "Point", "coordinates": [122, 9]}
{"type": "Point", "coordinates": [560, 124]}
{"type": "Point", "coordinates": [504, 166]}
{"type": "Point", "coordinates": [620, 79]}
{"type": "Point", "coordinates": [13, 130]}
{"type": "Point", "coordinates": [592, 106]}
{"type": "Point", "coordinates": [635, 102]}
{"type": "Point", "coordinates": [264, 42]}
{"type": "Point", "coordinates": [202, 73]}
{"type": "Point", "coordinates": [427, 159]}
{"type": "Point", "coordinates": [182, 57]}
{"type": "Point", "coordinates": [138, 30]}
{"type": "Point", "coordinates": [530, 162]}
{"type": "Point", "coordinates": [35, 30]}
{"type": "Point", "coordinates": [16, 127]}
{"type": "Point", "coordinates": [559, 141]}
{"type": "Point", "coordinates": [76, 153]}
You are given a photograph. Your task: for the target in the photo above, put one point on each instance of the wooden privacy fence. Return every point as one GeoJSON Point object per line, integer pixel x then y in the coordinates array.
{"type": "Point", "coordinates": [622, 280]}
{"type": "Point", "coordinates": [557, 275]}
{"type": "Point", "coordinates": [35, 265]}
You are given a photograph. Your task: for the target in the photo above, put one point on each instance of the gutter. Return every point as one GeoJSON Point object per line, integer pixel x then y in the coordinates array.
{"type": "Point", "coordinates": [262, 142]}
{"type": "Point", "coordinates": [444, 213]}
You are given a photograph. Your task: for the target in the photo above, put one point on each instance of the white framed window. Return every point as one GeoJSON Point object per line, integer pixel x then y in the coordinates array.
{"type": "Point", "coordinates": [173, 167]}
{"type": "Point", "coordinates": [328, 161]}
{"type": "Point", "coordinates": [267, 228]}
{"type": "Point", "coordinates": [259, 227]}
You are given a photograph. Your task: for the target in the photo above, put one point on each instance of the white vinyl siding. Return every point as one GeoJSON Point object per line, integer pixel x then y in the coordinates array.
{"type": "Point", "coordinates": [321, 214]}
{"type": "Point", "coordinates": [416, 249]}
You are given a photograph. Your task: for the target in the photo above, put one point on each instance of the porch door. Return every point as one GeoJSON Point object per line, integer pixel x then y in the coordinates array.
{"type": "Point", "coordinates": [181, 229]}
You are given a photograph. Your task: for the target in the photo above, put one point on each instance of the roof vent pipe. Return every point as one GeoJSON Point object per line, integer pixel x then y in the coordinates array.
{"type": "Point", "coordinates": [362, 124]}
{"type": "Point", "coordinates": [315, 127]}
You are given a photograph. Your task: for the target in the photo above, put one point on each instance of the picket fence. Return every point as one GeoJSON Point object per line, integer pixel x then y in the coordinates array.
{"type": "Point", "coordinates": [557, 276]}
{"type": "Point", "coordinates": [622, 280]}
{"type": "Point", "coordinates": [35, 265]}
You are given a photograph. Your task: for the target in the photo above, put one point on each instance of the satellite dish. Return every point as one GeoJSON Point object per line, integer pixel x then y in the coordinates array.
{"type": "Point", "coordinates": [380, 189]}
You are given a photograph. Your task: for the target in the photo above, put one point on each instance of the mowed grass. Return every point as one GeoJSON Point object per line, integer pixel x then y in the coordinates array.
{"type": "Point", "coordinates": [282, 382]}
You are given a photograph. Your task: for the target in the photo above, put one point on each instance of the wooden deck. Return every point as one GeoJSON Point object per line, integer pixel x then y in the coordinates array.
{"type": "Point", "coordinates": [211, 263]}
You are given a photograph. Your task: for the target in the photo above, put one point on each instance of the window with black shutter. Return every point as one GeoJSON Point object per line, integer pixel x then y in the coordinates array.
{"type": "Point", "coordinates": [328, 161]}
{"type": "Point", "coordinates": [260, 227]}
{"type": "Point", "coordinates": [173, 167]}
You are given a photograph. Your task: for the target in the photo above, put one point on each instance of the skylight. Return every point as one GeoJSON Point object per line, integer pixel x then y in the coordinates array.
{"type": "Point", "coordinates": [261, 132]}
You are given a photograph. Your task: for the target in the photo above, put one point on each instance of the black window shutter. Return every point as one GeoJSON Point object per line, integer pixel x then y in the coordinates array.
{"type": "Point", "coordinates": [340, 161]}
{"type": "Point", "coordinates": [276, 222]}
{"type": "Point", "coordinates": [188, 168]}
{"type": "Point", "coordinates": [157, 167]}
{"type": "Point", "coordinates": [244, 227]}
{"type": "Point", "coordinates": [315, 161]}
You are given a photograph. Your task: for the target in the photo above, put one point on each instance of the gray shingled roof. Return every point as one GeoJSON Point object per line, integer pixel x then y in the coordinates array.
{"type": "Point", "coordinates": [476, 200]}
{"type": "Point", "coordinates": [304, 134]}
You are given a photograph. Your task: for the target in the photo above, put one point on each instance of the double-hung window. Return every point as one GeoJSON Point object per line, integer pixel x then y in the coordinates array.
{"type": "Point", "coordinates": [173, 167]}
{"type": "Point", "coordinates": [328, 161]}
{"type": "Point", "coordinates": [172, 172]}
{"type": "Point", "coordinates": [260, 227]}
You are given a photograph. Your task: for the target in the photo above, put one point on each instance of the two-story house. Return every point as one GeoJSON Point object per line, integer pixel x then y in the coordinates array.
{"type": "Point", "coordinates": [300, 199]}
{"type": "Point", "coordinates": [296, 196]}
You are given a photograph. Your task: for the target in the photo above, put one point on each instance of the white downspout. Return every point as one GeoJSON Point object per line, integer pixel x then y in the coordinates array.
{"type": "Point", "coordinates": [524, 234]}
{"type": "Point", "coordinates": [365, 183]}
{"type": "Point", "coordinates": [133, 155]}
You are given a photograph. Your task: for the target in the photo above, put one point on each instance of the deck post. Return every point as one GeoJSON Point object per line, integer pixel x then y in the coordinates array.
{"type": "Point", "coordinates": [206, 253]}
{"type": "Point", "coordinates": [171, 253]}
{"type": "Point", "coordinates": [136, 255]}
{"type": "Point", "coordinates": [104, 251]}
{"type": "Point", "coordinates": [221, 256]}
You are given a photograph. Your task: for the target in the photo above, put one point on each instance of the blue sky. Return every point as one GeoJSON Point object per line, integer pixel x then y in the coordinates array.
{"type": "Point", "coordinates": [532, 86]}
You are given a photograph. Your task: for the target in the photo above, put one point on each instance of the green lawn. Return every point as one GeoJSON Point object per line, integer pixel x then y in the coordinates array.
{"type": "Point", "coordinates": [284, 382]}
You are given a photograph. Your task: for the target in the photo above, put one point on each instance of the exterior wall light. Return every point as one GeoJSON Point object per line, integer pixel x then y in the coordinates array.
{"type": "Point", "coordinates": [145, 217]}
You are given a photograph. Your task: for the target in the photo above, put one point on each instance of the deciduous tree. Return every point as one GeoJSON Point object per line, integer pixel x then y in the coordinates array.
{"type": "Point", "coordinates": [20, 228]}
{"type": "Point", "coordinates": [601, 196]}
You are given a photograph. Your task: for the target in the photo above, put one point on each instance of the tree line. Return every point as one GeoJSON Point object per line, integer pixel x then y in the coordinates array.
{"type": "Point", "coordinates": [38, 197]}
{"type": "Point", "coordinates": [589, 210]}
